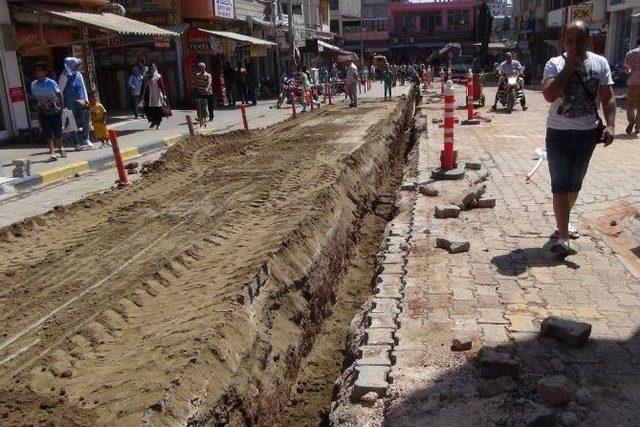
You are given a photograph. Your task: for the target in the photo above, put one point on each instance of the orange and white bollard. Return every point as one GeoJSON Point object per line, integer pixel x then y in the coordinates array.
{"type": "Point", "coordinates": [442, 81]}
{"type": "Point", "coordinates": [449, 105]}
{"type": "Point", "coordinates": [294, 114]}
{"type": "Point", "coordinates": [470, 113]}
{"type": "Point", "coordinates": [243, 110]}
{"type": "Point", "coordinates": [117, 156]}
{"type": "Point", "coordinates": [192, 131]}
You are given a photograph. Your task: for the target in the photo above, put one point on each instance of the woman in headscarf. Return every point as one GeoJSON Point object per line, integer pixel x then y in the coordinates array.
{"type": "Point", "coordinates": [155, 96]}
{"type": "Point", "coordinates": [74, 93]}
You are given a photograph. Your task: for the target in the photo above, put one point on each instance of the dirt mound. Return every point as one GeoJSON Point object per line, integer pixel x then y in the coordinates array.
{"type": "Point", "coordinates": [191, 296]}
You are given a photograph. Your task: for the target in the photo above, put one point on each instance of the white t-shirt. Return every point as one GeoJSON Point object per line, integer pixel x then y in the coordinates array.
{"type": "Point", "coordinates": [576, 109]}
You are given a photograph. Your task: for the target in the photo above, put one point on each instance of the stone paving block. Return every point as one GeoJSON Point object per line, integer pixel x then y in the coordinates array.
{"type": "Point", "coordinates": [494, 334]}
{"type": "Point", "coordinates": [568, 331]}
{"type": "Point", "coordinates": [447, 211]}
{"type": "Point", "coordinates": [380, 336]}
{"type": "Point", "coordinates": [390, 268]}
{"type": "Point", "coordinates": [492, 315]}
{"type": "Point", "coordinates": [371, 378]}
{"type": "Point", "coordinates": [374, 355]}
{"type": "Point", "coordinates": [388, 292]}
{"type": "Point", "coordinates": [473, 165]}
{"type": "Point", "coordinates": [388, 258]}
{"type": "Point", "coordinates": [452, 244]}
{"type": "Point", "coordinates": [521, 323]}
{"type": "Point", "coordinates": [486, 202]}
{"type": "Point", "coordinates": [382, 320]}
{"type": "Point", "coordinates": [408, 186]}
{"type": "Point", "coordinates": [390, 279]}
{"type": "Point", "coordinates": [386, 305]}
{"type": "Point", "coordinates": [428, 190]}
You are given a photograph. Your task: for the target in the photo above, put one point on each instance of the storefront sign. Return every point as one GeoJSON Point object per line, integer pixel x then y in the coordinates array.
{"type": "Point", "coordinates": [216, 46]}
{"type": "Point", "coordinates": [160, 42]}
{"type": "Point", "coordinates": [32, 41]}
{"type": "Point", "coordinates": [224, 8]}
{"type": "Point", "coordinates": [557, 18]}
{"type": "Point", "coordinates": [16, 94]}
{"type": "Point", "coordinates": [580, 12]}
{"type": "Point", "coordinates": [258, 50]}
{"type": "Point", "coordinates": [198, 42]}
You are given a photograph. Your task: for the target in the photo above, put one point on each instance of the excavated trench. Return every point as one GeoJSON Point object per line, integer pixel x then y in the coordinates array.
{"type": "Point", "coordinates": [233, 308]}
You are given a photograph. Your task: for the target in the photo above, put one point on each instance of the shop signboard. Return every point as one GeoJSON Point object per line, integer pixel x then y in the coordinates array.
{"type": "Point", "coordinates": [224, 8]}
{"type": "Point", "coordinates": [257, 50]}
{"type": "Point", "coordinates": [16, 94]}
{"type": "Point", "coordinates": [33, 41]}
{"type": "Point", "coordinates": [581, 12]}
{"type": "Point", "coordinates": [161, 42]}
{"type": "Point", "coordinates": [198, 42]}
{"type": "Point", "coordinates": [557, 18]}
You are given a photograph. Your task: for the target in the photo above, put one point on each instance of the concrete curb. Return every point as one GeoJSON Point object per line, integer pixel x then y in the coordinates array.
{"type": "Point", "coordinates": [53, 175]}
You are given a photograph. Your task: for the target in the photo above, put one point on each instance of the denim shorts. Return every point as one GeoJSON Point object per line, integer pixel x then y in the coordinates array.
{"type": "Point", "coordinates": [568, 154]}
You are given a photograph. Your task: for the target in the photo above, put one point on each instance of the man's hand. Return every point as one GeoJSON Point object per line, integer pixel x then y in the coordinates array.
{"type": "Point", "coordinates": [572, 62]}
{"type": "Point", "coordinates": [607, 136]}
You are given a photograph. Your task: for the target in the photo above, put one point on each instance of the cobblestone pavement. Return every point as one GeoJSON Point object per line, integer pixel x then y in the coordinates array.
{"type": "Point", "coordinates": [499, 292]}
{"type": "Point", "coordinates": [17, 207]}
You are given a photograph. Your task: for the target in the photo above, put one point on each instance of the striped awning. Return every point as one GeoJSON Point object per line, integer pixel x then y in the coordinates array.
{"type": "Point", "coordinates": [239, 37]}
{"type": "Point", "coordinates": [109, 21]}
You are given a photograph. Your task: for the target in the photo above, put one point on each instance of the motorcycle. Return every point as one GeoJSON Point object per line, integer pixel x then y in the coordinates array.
{"type": "Point", "coordinates": [511, 92]}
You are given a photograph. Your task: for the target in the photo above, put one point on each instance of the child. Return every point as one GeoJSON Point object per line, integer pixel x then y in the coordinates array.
{"type": "Point", "coordinates": [99, 121]}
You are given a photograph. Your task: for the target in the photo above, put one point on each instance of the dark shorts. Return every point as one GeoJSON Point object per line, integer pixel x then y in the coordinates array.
{"type": "Point", "coordinates": [51, 125]}
{"type": "Point", "coordinates": [568, 154]}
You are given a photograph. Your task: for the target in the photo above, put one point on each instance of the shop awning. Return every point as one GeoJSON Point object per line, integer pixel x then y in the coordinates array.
{"type": "Point", "coordinates": [109, 21]}
{"type": "Point", "coordinates": [178, 28]}
{"type": "Point", "coordinates": [239, 37]}
{"type": "Point", "coordinates": [449, 46]}
{"type": "Point", "coordinates": [328, 46]}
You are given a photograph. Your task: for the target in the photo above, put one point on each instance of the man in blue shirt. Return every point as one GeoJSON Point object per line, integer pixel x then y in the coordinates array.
{"type": "Point", "coordinates": [49, 106]}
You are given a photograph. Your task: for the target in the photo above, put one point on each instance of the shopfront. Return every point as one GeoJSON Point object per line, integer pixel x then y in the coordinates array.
{"type": "Point", "coordinates": [108, 44]}
{"type": "Point", "coordinates": [217, 49]}
{"type": "Point", "coordinates": [623, 28]}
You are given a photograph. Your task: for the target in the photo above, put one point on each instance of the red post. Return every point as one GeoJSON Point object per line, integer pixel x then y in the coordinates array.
{"type": "Point", "coordinates": [243, 110]}
{"type": "Point", "coordinates": [122, 173]}
{"type": "Point", "coordinates": [293, 105]}
{"type": "Point", "coordinates": [470, 113]}
{"type": "Point", "coordinates": [449, 101]}
{"type": "Point", "coordinates": [192, 131]}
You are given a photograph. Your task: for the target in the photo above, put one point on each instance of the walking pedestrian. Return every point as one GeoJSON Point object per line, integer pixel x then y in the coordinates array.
{"type": "Point", "coordinates": [74, 93]}
{"type": "Point", "coordinates": [387, 75]}
{"type": "Point", "coordinates": [134, 83]}
{"type": "Point", "coordinates": [632, 68]}
{"type": "Point", "coordinates": [352, 83]}
{"type": "Point", "coordinates": [252, 81]}
{"type": "Point", "coordinates": [242, 78]}
{"type": "Point", "coordinates": [204, 92]}
{"type": "Point", "coordinates": [49, 103]}
{"type": "Point", "coordinates": [155, 96]}
{"type": "Point", "coordinates": [99, 120]}
{"type": "Point", "coordinates": [572, 83]}
{"type": "Point", "coordinates": [230, 82]}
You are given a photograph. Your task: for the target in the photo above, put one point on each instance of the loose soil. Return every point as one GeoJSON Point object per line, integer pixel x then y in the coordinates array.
{"type": "Point", "coordinates": [192, 296]}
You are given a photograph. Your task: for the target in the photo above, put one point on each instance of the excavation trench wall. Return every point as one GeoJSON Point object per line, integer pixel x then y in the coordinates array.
{"type": "Point", "coordinates": [192, 297]}
{"type": "Point", "coordinates": [286, 310]}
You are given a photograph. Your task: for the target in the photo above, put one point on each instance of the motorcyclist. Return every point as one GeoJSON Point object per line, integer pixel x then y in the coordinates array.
{"type": "Point", "coordinates": [509, 67]}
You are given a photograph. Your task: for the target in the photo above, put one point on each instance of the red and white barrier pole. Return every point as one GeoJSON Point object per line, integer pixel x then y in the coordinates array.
{"type": "Point", "coordinates": [442, 81]}
{"type": "Point", "coordinates": [117, 156]}
{"type": "Point", "coordinates": [293, 105]}
{"type": "Point", "coordinates": [449, 105]}
{"type": "Point", "coordinates": [243, 110]}
{"type": "Point", "coordinates": [192, 131]}
{"type": "Point", "coordinates": [470, 113]}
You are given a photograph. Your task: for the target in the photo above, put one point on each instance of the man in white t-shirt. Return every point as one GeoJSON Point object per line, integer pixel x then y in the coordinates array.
{"type": "Point", "coordinates": [572, 83]}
